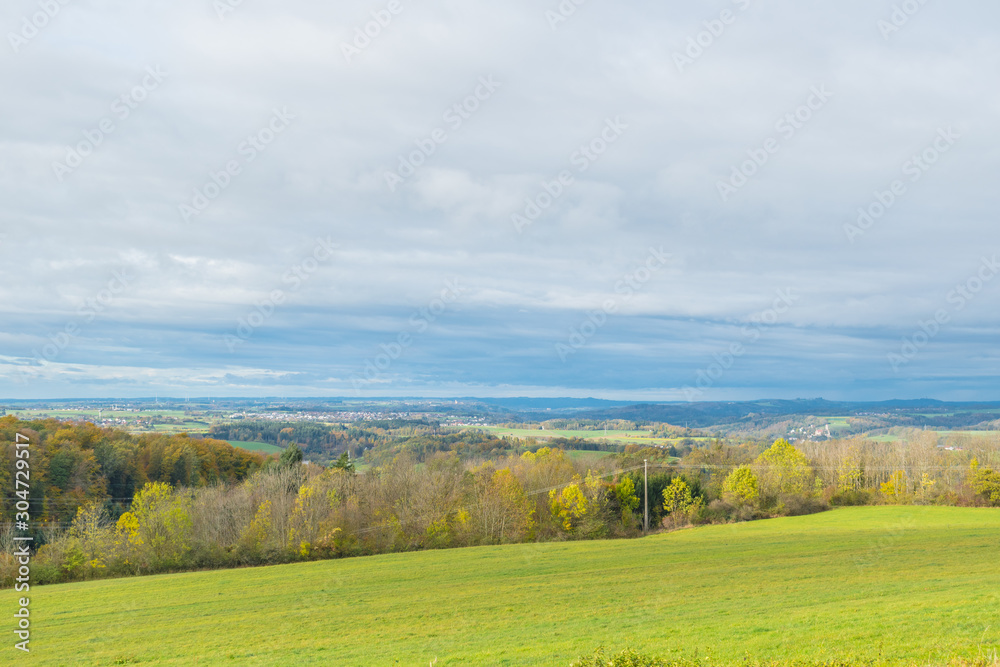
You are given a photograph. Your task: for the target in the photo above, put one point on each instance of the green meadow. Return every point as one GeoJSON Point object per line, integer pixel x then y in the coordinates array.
{"type": "Point", "coordinates": [256, 446]}
{"type": "Point", "coordinates": [895, 437]}
{"type": "Point", "coordinates": [895, 585]}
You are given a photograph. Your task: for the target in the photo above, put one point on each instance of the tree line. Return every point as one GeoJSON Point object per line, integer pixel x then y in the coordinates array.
{"type": "Point", "coordinates": [214, 513]}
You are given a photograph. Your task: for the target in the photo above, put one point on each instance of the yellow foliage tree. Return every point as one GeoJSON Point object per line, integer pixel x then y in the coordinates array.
{"type": "Point", "coordinates": [258, 532]}
{"type": "Point", "coordinates": [850, 476]}
{"type": "Point", "coordinates": [628, 501]}
{"type": "Point", "coordinates": [569, 505]}
{"type": "Point", "coordinates": [783, 469]}
{"type": "Point", "coordinates": [677, 498]}
{"type": "Point", "coordinates": [895, 490]}
{"type": "Point", "coordinates": [740, 486]}
{"type": "Point", "coordinates": [156, 529]}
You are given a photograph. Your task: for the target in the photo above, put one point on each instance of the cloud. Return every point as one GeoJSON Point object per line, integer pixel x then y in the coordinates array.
{"type": "Point", "coordinates": [61, 241]}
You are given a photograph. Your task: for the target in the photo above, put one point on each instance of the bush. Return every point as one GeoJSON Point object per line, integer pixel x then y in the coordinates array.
{"type": "Point", "coordinates": [796, 505]}
{"type": "Point", "coordinates": [627, 658]}
{"type": "Point", "coordinates": [717, 511]}
{"type": "Point", "coordinates": [851, 498]}
{"type": "Point", "coordinates": [720, 511]}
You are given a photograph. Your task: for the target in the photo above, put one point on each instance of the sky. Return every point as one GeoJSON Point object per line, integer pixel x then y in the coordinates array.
{"type": "Point", "coordinates": [719, 200]}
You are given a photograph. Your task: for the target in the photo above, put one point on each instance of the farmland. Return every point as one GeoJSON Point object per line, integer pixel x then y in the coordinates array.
{"type": "Point", "coordinates": [897, 436]}
{"type": "Point", "coordinates": [611, 437]}
{"type": "Point", "coordinates": [906, 585]}
{"type": "Point", "coordinates": [256, 447]}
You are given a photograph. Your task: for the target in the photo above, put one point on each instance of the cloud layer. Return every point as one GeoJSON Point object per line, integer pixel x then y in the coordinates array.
{"type": "Point", "coordinates": [242, 198]}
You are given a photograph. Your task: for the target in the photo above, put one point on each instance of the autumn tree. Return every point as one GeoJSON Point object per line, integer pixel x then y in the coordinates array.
{"type": "Point", "coordinates": [502, 510]}
{"type": "Point", "coordinates": [896, 489]}
{"type": "Point", "coordinates": [155, 532]}
{"type": "Point", "coordinates": [628, 501]}
{"type": "Point", "coordinates": [679, 502]}
{"type": "Point", "coordinates": [740, 487]}
{"type": "Point", "coordinates": [985, 482]}
{"type": "Point", "coordinates": [568, 505]}
{"type": "Point", "coordinates": [783, 469]}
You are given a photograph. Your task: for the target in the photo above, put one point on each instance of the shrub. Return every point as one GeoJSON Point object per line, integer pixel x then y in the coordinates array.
{"type": "Point", "coordinates": [717, 511]}
{"type": "Point", "coordinates": [682, 507]}
{"type": "Point", "coordinates": [796, 505]}
{"type": "Point", "coordinates": [627, 658]}
{"type": "Point", "coordinates": [851, 498]}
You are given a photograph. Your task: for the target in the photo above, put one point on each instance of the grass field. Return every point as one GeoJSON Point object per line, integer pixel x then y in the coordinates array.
{"type": "Point", "coordinates": [892, 437]}
{"type": "Point", "coordinates": [839, 423]}
{"type": "Point", "coordinates": [256, 446]}
{"type": "Point", "coordinates": [622, 437]}
{"type": "Point", "coordinates": [912, 585]}
{"type": "Point", "coordinates": [186, 426]}
{"type": "Point", "coordinates": [582, 455]}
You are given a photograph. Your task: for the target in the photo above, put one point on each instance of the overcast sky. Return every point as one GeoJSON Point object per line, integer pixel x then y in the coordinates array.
{"type": "Point", "coordinates": [626, 200]}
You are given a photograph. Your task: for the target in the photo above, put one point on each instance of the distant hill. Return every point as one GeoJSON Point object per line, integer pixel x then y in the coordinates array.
{"type": "Point", "coordinates": [917, 413]}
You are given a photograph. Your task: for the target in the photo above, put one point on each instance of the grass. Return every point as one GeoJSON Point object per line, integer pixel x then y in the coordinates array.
{"type": "Point", "coordinates": [582, 454]}
{"type": "Point", "coordinates": [187, 426]}
{"type": "Point", "coordinates": [914, 585]}
{"type": "Point", "coordinates": [890, 437]}
{"type": "Point", "coordinates": [256, 446]}
{"type": "Point", "coordinates": [624, 437]}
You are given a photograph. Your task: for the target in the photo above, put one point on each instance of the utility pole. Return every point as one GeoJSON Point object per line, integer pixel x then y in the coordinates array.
{"type": "Point", "coordinates": [645, 490]}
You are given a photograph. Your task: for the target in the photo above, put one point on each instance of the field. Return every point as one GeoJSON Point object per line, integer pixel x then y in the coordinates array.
{"type": "Point", "coordinates": [186, 426]}
{"type": "Point", "coordinates": [980, 434]}
{"type": "Point", "coordinates": [894, 437]}
{"type": "Point", "coordinates": [619, 437]}
{"type": "Point", "coordinates": [106, 413]}
{"type": "Point", "coordinates": [256, 446]}
{"type": "Point", "coordinates": [585, 455]}
{"type": "Point", "coordinates": [839, 423]}
{"type": "Point", "coordinates": [914, 585]}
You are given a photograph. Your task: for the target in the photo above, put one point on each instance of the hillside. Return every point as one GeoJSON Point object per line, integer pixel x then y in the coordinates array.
{"type": "Point", "coordinates": [911, 584]}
